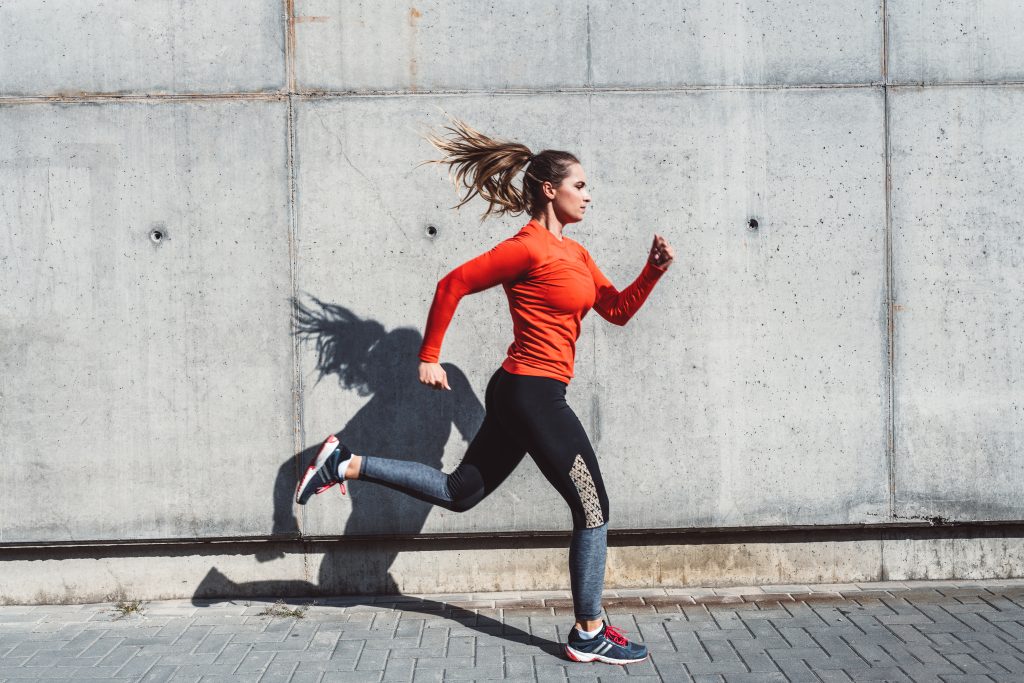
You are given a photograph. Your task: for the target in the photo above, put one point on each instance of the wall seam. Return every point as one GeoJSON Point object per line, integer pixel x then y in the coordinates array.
{"type": "Point", "coordinates": [890, 450]}
{"type": "Point", "coordinates": [96, 98]}
{"type": "Point", "coordinates": [298, 434]}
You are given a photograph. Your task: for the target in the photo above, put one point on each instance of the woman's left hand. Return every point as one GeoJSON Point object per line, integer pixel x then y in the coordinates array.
{"type": "Point", "coordinates": [662, 253]}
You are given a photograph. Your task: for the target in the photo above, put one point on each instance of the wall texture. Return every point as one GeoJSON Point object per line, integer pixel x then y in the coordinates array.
{"type": "Point", "coordinates": [171, 176]}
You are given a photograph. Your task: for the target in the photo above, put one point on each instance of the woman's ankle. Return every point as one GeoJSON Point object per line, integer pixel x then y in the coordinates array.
{"type": "Point", "coordinates": [589, 625]}
{"type": "Point", "coordinates": [354, 465]}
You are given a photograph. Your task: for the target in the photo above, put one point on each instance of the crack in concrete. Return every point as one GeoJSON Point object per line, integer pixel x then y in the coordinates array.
{"type": "Point", "coordinates": [370, 183]}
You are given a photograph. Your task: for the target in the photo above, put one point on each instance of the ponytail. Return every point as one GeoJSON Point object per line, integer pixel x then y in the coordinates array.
{"type": "Point", "coordinates": [488, 167]}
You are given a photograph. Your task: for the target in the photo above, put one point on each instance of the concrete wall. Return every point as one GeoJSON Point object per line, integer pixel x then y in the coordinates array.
{"type": "Point", "coordinates": [171, 178]}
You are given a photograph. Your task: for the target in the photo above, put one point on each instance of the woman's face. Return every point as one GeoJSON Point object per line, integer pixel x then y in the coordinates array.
{"type": "Point", "coordinates": [571, 196]}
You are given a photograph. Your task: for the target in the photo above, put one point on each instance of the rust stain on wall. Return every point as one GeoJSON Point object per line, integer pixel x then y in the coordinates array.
{"type": "Point", "coordinates": [414, 15]}
{"type": "Point", "coordinates": [289, 44]}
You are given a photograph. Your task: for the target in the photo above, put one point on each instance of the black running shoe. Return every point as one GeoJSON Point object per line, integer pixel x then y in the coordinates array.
{"type": "Point", "coordinates": [609, 646]}
{"type": "Point", "coordinates": [322, 473]}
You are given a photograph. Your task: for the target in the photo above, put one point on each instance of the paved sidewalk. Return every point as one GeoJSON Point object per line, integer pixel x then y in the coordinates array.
{"type": "Point", "coordinates": [899, 631]}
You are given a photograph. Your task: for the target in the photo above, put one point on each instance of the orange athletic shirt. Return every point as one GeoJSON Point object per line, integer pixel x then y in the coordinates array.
{"type": "Point", "coordinates": [551, 284]}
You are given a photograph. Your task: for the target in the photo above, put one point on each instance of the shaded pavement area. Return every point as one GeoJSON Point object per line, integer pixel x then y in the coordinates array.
{"type": "Point", "coordinates": [894, 631]}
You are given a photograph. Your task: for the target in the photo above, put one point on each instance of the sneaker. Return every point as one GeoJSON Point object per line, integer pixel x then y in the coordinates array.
{"type": "Point", "coordinates": [322, 473]}
{"type": "Point", "coordinates": [609, 646]}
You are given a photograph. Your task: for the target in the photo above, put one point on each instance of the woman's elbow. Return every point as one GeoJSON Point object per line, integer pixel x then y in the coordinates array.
{"type": "Point", "coordinates": [449, 284]}
{"type": "Point", "coordinates": [619, 319]}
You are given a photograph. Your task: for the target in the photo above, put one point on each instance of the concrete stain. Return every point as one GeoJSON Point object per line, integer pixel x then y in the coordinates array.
{"type": "Point", "coordinates": [414, 16]}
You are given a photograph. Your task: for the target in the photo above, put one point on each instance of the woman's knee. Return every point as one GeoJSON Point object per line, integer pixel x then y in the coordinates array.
{"type": "Point", "coordinates": [464, 503]}
{"type": "Point", "coordinates": [465, 489]}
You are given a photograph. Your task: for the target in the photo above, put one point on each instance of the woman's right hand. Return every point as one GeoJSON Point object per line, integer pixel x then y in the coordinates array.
{"type": "Point", "coordinates": [433, 375]}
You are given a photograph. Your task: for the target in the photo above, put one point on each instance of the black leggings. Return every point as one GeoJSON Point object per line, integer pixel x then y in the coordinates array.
{"type": "Point", "coordinates": [525, 414]}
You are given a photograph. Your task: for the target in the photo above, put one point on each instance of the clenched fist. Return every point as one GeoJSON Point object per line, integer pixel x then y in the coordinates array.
{"type": "Point", "coordinates": [662, 253]}
{"type": "Point", "coordinates": [433, 375]}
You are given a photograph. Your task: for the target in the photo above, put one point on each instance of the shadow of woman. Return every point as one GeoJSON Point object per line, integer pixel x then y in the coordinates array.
{"type": "Point", "coordinates": [403, 420]}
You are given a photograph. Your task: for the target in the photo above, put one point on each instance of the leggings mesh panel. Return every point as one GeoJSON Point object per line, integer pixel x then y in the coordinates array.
{"type": "Point", "coordinates": [588, 492]}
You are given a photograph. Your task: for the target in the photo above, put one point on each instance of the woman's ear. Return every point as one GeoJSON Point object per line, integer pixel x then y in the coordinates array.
{"type": "Point", "coordinates": [548, 189]}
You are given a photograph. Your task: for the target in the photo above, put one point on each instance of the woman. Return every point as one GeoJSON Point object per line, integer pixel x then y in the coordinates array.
{"type": "Point", "coordinates": [551, 282]}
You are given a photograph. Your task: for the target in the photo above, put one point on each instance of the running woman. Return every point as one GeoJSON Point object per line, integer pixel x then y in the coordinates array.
{"type": "Point", "coordinates": [551, 283]}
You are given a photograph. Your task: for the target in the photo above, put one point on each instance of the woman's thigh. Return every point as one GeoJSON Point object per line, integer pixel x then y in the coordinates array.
{"type": "Point", "coordinates": [535, 410]}
{"type": "Point", "coordinates": [492, 455]}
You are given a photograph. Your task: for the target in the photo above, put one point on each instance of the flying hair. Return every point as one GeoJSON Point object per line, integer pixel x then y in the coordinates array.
{"type": "Point", "coordinates": [488, 167]}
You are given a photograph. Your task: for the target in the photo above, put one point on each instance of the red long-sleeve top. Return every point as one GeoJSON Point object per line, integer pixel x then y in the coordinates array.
{"type": "Point", "coordinates": [551, 284]}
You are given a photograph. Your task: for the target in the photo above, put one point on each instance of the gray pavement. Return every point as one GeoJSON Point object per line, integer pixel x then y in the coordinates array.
{"type": "Point", "coordinates": [895, 631]}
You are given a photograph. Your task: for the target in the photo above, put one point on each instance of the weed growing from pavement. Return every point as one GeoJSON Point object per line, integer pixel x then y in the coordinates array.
{"type": "Point", "coordinates": [280, 609]}
{"type": "Point", "coordinates": [126, 608]}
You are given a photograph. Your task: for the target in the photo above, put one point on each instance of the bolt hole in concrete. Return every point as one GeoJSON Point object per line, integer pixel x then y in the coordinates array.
{"type": "Point", "coordinates": [431, 230]}
{"type": "Point", "coordinates": [752, 223]}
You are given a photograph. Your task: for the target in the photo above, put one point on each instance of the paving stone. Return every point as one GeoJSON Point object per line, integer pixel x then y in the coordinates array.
{"type": "Point", "coordinates": [797, 671]}
{"type": "Point", "coordinates": [475, 673]}
{"type": "Point", "coordinates": [759, 677]}
{"type": "Point", "coordinates": [716, 667]}
{"type": "Point", "coordinates": [158, 674]}
{"type": "Point", "coordinates": [834, 676]}
{"type": "Point", "coordinates": [358, 677]}
{"type": "Point", "coordinates": [888, 674]}
{"type": "Point", "coordinates": [426, 676]}
{"type": "Point", "coordinates": [550, 672]}
{"type": "Point", "coordinates": [255, 662]}
{"type": "Point", "coordinates": [204, 670]}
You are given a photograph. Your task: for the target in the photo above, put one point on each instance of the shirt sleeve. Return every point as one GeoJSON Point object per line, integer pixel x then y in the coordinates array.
{"type": "Point", "coordinates": [506, 262]}
{"type": "Point", "coordinates": [618, 307]}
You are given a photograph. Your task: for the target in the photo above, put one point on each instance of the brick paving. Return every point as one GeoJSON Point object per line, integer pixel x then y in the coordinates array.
{"type": "Point", "coordinates": [895, 631]}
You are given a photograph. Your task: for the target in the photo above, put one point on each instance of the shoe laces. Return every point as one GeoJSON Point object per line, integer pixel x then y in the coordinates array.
{"type": "Point", "coordinates": [615, 635]}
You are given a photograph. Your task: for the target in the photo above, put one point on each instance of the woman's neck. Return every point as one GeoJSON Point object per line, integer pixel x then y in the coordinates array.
{"type": "Point", "coordinates": [548, 219]}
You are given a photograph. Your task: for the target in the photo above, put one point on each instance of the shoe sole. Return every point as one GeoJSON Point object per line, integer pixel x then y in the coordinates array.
{"type": "Point", "coordinates": [330, 443]}
{"type": "Point", "coordinates": [577, 656]}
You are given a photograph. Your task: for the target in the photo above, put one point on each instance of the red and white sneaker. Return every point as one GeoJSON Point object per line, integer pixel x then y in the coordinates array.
{"type": "Point", "coordinates": [323, 472]}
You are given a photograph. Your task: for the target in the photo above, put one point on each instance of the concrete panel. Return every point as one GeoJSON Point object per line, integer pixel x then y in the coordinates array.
{"type": "Point", "coordinates": [343, 45]}
{"type": "Point", "coordinates": [958, 250]}
{"type": "Point", "coordinates": [66, 47]}
{"type": "Point", "coordinates": [146, 389]}
{"type": "Point", "coordinates": [752, 389]}
{"type": "Point", "coordinates": [754, 42]}
{"type": "Point", "coordinates": [952, 40]}
{"type": "Point", "coordinates": [764, 380]}
{"type": "Point", "coordinates": [439, 44]}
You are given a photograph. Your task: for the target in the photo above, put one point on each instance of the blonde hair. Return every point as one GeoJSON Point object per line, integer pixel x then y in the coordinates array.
{"type": "Point", "coordinates": [485, 166]}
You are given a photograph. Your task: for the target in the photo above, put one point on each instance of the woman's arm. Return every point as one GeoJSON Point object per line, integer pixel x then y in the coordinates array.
{"type": "Point", "coordinates": [505, 262]}
{"type": "Point", "coordinates": [618, 307]}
